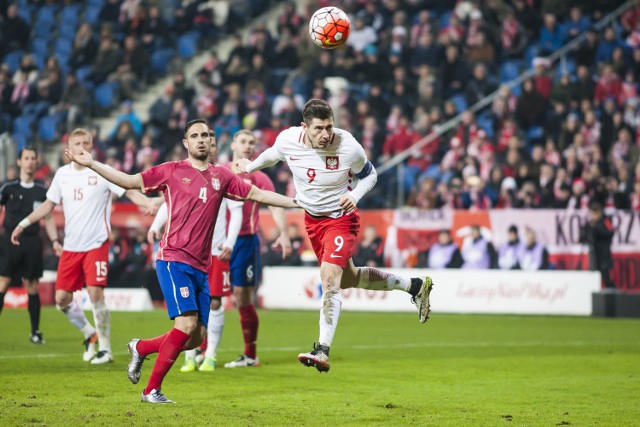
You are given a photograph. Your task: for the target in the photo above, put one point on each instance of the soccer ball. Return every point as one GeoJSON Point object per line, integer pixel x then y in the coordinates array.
{"type": "Point", "coordinates": [329, 27]}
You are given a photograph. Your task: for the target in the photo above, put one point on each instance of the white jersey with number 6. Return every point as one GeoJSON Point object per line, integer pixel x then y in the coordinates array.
{"type": "Point", "coordinates": [320, 176]}
{"type": "Point", "coordinates": [86, 202]}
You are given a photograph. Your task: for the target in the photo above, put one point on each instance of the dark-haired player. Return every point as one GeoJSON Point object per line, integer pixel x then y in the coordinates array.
{"type": "Point", "coordinates": [331, 174]}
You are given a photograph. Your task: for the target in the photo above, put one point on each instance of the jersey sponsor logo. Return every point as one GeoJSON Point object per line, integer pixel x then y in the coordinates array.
{"type": "Point", "coordinates": [332, 162]}
{"type": "Point", "coordinates": [186, 181]}
{"type": "Point", "coordinates": [293, 158]}
{"type": "Point", "coordinates": [335, 256]}
{"type": "Point", "coordinates": [184, 292]}
{"type": "Point", "coordinates": [215, 183]}
{"type": "Point", "coordinates": [93, 180]}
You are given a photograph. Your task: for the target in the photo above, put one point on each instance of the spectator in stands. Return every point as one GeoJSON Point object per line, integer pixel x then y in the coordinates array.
{"type": "Point", "coordinates": [608, 86]}
{"type": "Point", "coordinates": [635, 195]}
{"type": "Point", "coordinates": [530, 110]}
{"type": "Point", "coordinates": [131, 71]}
{"type": "Point", "coordinates": [154, 30]}
{"type": "Point", "coordinates": [575, 25]}
{"type": "Point", "coordinates": [444, 253]}
{"type": "Point", "coordinates": [370, 251]}
{"type": "Point", "coordinates": [454, 72]}
{"type": "Point", "coordinates": [85, 47]}
{"type": "Point", "coordinates": [598, 233]}
{"type": "Point", "coordinates": [510, 252]}
{"type": "Point", "coordinates": [479, 86]}
{"type": "Point", "coordinates": [534, 255]}
{"type": "Point", "coordinates": [14, 31]}
{"type": "Point", "coordinates": [606, 46]}
{"type": "Point", "coordinates": [74, 102]}
{"type": "Point", "coordinates": [106, 61]}
{"type": "Point", "coordinates": [477, 252]}
{"type": "Point", "coordinates": [424, 196]}
{"type": "Point", "coordinates": [160, 110]}
{"type": "Point", "coordinates": [361, 35]}
{"type": "Point", "coordinates": [583, 87]}
{"type": "Point", "coordinates": [514, 37]}
{"type": "Point", "coordinates": [586, 53]}
{"type": "Point", "coordinates": [551, 36]}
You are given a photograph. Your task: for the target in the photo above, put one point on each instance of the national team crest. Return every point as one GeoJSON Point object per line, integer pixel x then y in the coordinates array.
{"type": "Point", "coordinates": [93, 180]}
{"type": "Point", "coordinates": [332, 162]}
{"type": "Point", "coordinates": [215, 183]}
{"type": "Point", "coordinates": [184, 292]}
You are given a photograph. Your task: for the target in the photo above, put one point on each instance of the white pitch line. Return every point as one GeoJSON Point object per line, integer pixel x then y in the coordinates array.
{"type": "Point", "coordinates": [481, 344]}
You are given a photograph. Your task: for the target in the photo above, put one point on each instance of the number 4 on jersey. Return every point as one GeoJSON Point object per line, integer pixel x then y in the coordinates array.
{"type": "Point", "coordinates": [203, 194]}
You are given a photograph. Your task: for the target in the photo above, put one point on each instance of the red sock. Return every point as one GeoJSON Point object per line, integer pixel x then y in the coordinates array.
{"type": "Point", "coordinates": [249, 322]}
{"type": "Point", "coordinates": [169, 351]}
{"type": "Point", "coordinates": [146, 347]}
{"type": "Point", "coordinates": [203, 346]}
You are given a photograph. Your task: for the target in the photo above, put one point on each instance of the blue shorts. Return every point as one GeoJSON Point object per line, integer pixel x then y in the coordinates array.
{"type": "Point", "coordinates": [185, 288]}
{"type": "Point", "coordinates": [244, 264]}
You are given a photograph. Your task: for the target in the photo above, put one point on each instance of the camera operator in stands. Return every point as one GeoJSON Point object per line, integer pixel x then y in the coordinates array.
{"type": "Point", "coordinates": [597, 233]}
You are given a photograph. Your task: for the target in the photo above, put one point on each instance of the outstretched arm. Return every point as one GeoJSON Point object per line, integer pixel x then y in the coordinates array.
{"type": "Point", "coordinates": [124, 180]}
{"type": "Point", "coordinates": [269, 157]}
{"type": "Point", "coordinates": [283, 240]}
{"type": "Point", "coordinates": [148, 204]}
{"type": "Point", "coordinates": [270, 198]}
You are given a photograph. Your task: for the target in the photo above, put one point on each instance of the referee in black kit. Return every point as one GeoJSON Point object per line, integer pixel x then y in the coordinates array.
{"type": "Point", "coordinates": [19, 198]}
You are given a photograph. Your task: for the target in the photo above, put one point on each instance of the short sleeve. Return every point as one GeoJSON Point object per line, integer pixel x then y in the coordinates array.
{"type": "Point", "coordinates": [118, 191]}
{"type": "Point", "coordinates": [155, 178]}
{"type": "Point", "coordinates": [54, 193]}
{"type": "Point", "coordinates": [237, 189]}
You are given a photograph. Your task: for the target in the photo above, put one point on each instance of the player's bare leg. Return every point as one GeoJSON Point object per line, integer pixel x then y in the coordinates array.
{"type": "Point", "coordinates": [4, 285]}
{"type": "Point", "coordinates": [378, 280]}
{"type": "Point", "coordinates": [73, 311]}
{"type": "Point", "coordinates": [331, 276]}
{"type": "Point", "coordinates": [249, 322]}
{"type": "Point", "coordinates": [102, 320]}
{"type": "Point", "coordinates": [34, 310]}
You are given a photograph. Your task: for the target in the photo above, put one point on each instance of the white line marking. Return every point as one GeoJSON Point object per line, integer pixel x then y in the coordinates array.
{"type": "Point", "coordinates": [479, 344]}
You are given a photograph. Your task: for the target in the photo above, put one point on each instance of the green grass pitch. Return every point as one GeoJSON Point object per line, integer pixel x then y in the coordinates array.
{"type": "Point", "coordinates": [386, 369]}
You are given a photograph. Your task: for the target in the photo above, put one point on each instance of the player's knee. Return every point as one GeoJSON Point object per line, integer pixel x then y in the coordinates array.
{"type": "Point", "coordinates": [63, 302]}
{"type": "Point", "coordinates": [216, 303]}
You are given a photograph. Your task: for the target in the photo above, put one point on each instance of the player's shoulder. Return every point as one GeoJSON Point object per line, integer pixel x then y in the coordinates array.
{"type": "Point", "coordinates": [39, 184]}
{"type": "Point", "coordinates": [293, 134]}
{"type": "Point", "coordinates": [8, 184]}
{"type": "Point", "coordinates": [345, 136]}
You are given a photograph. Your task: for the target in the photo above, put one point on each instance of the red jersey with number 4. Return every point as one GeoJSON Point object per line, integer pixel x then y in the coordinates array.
{"type": "Point", "coordinates": [193, 199]}
{"type": "Point", "coordinates": [251, 209]}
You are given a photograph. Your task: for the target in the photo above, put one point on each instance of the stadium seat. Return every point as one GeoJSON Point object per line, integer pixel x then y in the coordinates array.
{"type": "Point", "coordinates": [160, 61]}
{"type": "Point", "coordinates": [509, 71]}
{"type": "Point", "coordinates": [48, 127]}
{"type": "Point", "coordinates": [40, 59]}
{"type": "Point", "coordinates": [40, 45]}
{"type": "Point", "coordinates": [460, 102]}
{"type": "Point", "coordinates": [91, 15]}
{"type": "Point", "coordinates": [12, 59]}
{"type": "Point", "coordinates": [20, 140]}
{"type": "Point", "coordinates": [188, 44]}
{"type": "Point", "coordinates": [22, 126]}
{"type": "Point", "coordinates": [46, 16]}
{"type": "Point", "coordinates": [105, 96]}
{"type": "Point", "coordinates": [83, 73]}
{"type": "Point", "coordinates": [64, 47]}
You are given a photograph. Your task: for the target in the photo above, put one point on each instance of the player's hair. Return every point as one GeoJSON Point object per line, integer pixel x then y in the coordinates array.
{"type": "Point", "coordinates": [596, 206]}
{"type": "Point", "coordinates": [316, 109]}
{"type": "Point", "coordinates": [81, 131]}
{"type": "Point", "coordinates": [193, 122]}
{"type": "Point", "coordinates": [243, 132]}
{"type": "Point", "coordinates": [27, 148]}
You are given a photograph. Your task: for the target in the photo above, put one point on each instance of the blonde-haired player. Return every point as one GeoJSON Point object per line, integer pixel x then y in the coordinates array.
{"type": "Point", "coordinates": [86, 202]}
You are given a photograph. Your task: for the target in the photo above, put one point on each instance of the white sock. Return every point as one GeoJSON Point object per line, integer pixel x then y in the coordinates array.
{"type": "Point", "coordinates": [214, 331]}
{"type": "Point", "coordinates": [102, 318]}
{"type": "Point", "coordinates": [378, 280]}
{"type": "Point", "coordinates": [190, 354]}
{"type": "Point", "coordinates": [77, 318]}
{"type": "Point", "coordinates": [329, 315]}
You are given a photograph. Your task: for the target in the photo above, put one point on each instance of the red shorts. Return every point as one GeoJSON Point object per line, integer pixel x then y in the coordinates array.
{"type": "Point", "coordinates": [333, 239]}
{"type": "Point", "coordinates": [219, 283]}
{"type": "Point", "coordinates": [76, 269]}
